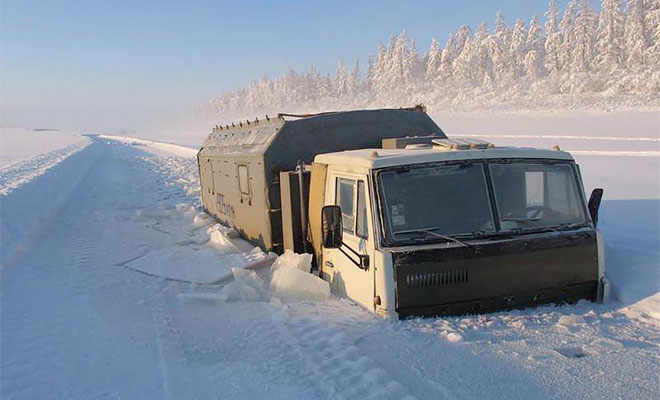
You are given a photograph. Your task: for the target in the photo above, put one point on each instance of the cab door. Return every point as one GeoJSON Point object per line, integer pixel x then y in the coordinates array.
{"type": "Point", "coordinates": [347, 277]}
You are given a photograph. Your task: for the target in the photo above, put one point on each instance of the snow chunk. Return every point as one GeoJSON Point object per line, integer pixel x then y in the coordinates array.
{"type": "Point", "coordinates": [292, 280]}
{"type": "Point", "coordinates": [568, 320]}
{"type": "Point", "coordinates": [292, 260]}
{"type": "Point", "coordinates": [246, 286]}
{"type": "Point", "coordinates": [220, 241]}
{"type": "Point", "coordinates": [453, 337]}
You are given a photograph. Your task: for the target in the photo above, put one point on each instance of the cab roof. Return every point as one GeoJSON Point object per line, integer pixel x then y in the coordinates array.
{"type": "Point", "coordinates": [381, 158]}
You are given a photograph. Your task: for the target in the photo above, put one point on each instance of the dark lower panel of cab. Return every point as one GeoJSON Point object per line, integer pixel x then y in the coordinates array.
{"type": "Point", "coordinates": [497, 276]}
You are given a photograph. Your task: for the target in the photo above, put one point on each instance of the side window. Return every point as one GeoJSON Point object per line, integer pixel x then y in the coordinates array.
{"type": "Point", "coordinates": [243, 179]}
{"type": "Point", "coordinates": [344, 198]}
{"type": "Point", "coordinates": [362, 224]}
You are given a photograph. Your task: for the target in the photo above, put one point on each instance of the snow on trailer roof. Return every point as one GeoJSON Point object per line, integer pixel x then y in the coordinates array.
{"type": "Point", "coordinates": [309, 134]}
{"type": "Point", "coordinates": [380, 158]}
{"type": "Point", "coordinates": [252, 137]}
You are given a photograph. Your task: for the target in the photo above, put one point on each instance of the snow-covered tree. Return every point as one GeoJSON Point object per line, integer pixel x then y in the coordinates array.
{"type": "Point", "coordinates": [354, 79]}
{"type": "Point", "coordinates": [341, 80]}
{"type": "Point", "coordinates": [609, 40]}
{"type": "Point", "coordinates": [480, 59]}
{"type": "Point", "coordinates": [449, 54]}
{"type": "Point", "coordinates": [535, 49]}
{"type": "Point", "coordinates": [433, 61]}
{"type": "Point", "coordinates": [652, 24]}
{"type": "Point", "coordinates": [584, 38]}
{"type": "Point", "coordinates": [635, 36]}
{"type": "Point", "coordinates": [567, 28]}
{"type": "Point", "coordinates": [517, 48]}
{"type": "Point", "coordinates": [553, 46]}
{"type": "Point", "coordinates": [502, 30]}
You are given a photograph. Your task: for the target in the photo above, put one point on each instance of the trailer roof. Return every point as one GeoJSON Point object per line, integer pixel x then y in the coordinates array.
{"type": "Point", "coordinates": [308, 135]}
{"type": "Point", "coordinates": [380, 158]}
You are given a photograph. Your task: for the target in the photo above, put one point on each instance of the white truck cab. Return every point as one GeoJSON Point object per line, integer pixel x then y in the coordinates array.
{"type": "Point", "coordinates": [456, 227]}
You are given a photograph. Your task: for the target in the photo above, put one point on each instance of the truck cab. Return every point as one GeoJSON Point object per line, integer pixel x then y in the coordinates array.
{"type": "Point", "coordinates": [447, 227]}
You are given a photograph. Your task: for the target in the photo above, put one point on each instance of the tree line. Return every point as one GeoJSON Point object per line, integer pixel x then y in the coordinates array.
{"type": "Point", "coordinates": [578, 58]}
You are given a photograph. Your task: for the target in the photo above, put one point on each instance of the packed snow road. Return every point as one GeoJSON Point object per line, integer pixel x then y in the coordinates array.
{"type": "Point", "coordinates": [79, 320]}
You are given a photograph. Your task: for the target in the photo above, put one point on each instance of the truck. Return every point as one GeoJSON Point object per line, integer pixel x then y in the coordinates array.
{"type": "Point", "coordinates": [402, 219]}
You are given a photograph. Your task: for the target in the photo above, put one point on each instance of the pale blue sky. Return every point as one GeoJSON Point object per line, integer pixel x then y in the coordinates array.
{"type": "Point", "coordinates": [102, 65]}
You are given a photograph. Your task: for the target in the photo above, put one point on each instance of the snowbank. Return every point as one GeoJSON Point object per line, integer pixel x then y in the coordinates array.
{"type": "Point", "coordinates": [21, 144]}
{"type": "Point", "coordinates": [198, 250]}
{"type": "Point", "coordinates": [22, 172]}
{"type": "Point", "coordinates": [292, 279]}
{"type": "Point", "coordinates": [156, 147]}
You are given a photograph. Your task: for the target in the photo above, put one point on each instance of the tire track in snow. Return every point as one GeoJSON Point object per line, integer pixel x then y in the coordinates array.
{"type": "Point", "coordinates": [328, 362]}
{"type": "Point", "coordinates": [80, 326]}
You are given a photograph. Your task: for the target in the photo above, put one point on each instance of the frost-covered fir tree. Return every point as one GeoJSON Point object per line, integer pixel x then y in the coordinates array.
{"type": "Point", "coordinates": [480, 59]}
{"type": "Point", "coordinates": [553, 42]}
{"type": "Point", "coordinates": [535, 49]}
{"type": "Point", "coordinates": [433, 61]}
{"type": "Point", "coordinates": [635, 36]}
{"type": "Point", "coordinates": [652, 24]}
{"type": "Point", "coordinates": [341, 85]}
{"type": "Point", "coordinates": [567, 28]}
{"type": "Point", "coordinates": [584, 38]}
{"type": "Point", "coordinates": [412, 69]}
{"type": "Point", "coordinates": [449, 54]}
{"type": "Point", "coordinates": [354, 80]}
{"type": "Point", "coordinates": [517, 49]}
{"type": "Point", "coordinates": [502, 30]}
{"type": "Point", "coordinates": [609, 38]}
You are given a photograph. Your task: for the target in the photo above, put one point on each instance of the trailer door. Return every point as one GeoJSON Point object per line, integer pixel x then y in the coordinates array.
{"type": "Point", "coordinates": [346, 277]}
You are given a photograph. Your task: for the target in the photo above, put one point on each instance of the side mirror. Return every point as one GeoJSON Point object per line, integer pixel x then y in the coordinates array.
{"type": "Point", "coordinates": [332, 227]}
{"type": "Point", "coordinates": [594, 204]}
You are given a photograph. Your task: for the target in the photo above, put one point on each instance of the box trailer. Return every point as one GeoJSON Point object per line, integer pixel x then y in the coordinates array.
{"type": "Point", "coordinates": [405, 221]}
{"type": "Point", "coordinates": [240, 164]}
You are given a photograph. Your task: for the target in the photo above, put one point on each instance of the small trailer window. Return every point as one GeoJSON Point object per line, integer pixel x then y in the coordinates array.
{"type": "Point", "coordinates": [243, 179]}
{"type": "Point", "coordinates": [344, 197]}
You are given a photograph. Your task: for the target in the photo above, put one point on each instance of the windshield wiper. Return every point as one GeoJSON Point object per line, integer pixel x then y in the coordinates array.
{"type": "Point", "coordinates": [431, 231]}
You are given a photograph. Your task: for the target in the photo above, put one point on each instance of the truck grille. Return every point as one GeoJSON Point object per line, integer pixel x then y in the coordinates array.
{"type": "Point", "coordinates": [436, 278]}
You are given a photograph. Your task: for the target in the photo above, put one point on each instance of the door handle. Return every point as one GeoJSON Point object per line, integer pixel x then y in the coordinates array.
{"type": "Point", "coordinates": [329, 264]}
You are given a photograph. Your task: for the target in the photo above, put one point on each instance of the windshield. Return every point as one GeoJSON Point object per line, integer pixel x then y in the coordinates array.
{"type": "Point", "coordinates": [429, 202]}
{"type": "Point", "coordinates": [533, 195]}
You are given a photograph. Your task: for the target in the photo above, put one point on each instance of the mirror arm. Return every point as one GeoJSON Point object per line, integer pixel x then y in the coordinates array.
{"type": "Point", "coordinates": [361, 257]}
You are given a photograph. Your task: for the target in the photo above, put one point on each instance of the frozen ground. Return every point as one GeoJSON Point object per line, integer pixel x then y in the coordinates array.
{"type": "Point", "coordinates": [26, 154]}
{"type": "Point", "coordinates": [93, 305]}
{"type": "Point", "coordinates": [20, 144]}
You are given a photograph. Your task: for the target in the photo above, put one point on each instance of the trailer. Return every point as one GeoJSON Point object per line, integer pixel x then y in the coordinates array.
{"type": "Point", "coordinates": [240, 164]}
{"type": "Point", "coordinates": [403, 220]}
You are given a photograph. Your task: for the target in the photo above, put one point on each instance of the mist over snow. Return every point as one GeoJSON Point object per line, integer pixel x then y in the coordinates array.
{"type": "Point", "coordinates": [576, 59]}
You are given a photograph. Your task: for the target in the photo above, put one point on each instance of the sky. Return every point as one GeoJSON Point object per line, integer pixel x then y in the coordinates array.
{"type": "Point", "coordinates": [110, 65]}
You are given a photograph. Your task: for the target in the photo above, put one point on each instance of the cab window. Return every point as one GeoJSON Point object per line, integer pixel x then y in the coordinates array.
{"type": "Point", "coordinates": [344, 198]}
{"type": "Point", "coordinates": [362, 225]}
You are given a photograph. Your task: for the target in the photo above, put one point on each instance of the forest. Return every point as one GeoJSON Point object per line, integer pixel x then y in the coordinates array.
{"type": "Point", "coordinates": [576, 59]}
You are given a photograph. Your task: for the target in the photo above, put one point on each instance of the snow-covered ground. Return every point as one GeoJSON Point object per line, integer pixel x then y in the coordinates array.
{"type": "Point", "coordinates": [98, 253]}
{"type": "Point", "coordinates": [26, 154]}
{"type": "Point", "coordinates": [20, 144]}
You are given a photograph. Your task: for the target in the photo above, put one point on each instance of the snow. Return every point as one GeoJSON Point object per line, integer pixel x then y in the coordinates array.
{"type": "Point", "coordinates": [292, 280]}
{"type": "Point", "coordinates": [21, 144]}
{"type": "Point", "coordinates": [27, 154]}
{"type": "Point", "coordinates": [158, 148]}
{"type": "Point", "coordinates": [77, 321]}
